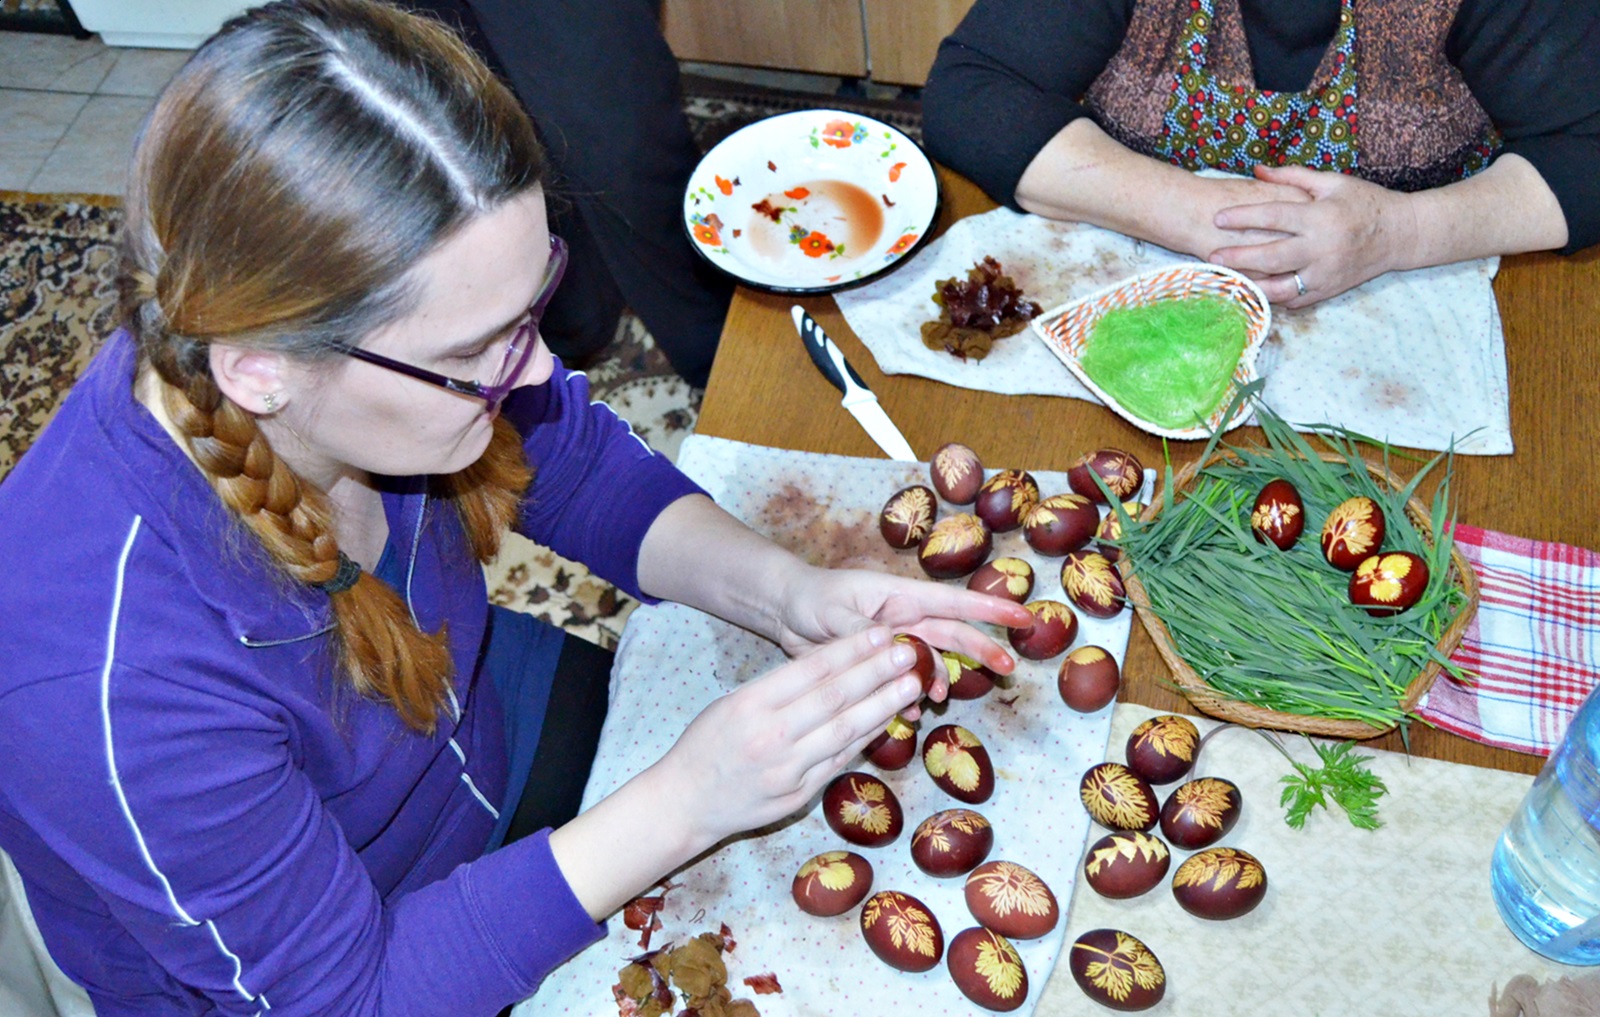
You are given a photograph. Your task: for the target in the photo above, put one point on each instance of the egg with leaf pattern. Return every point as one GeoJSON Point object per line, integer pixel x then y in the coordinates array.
{"type": "Point", "coordinates": [923, 665]}
{"type": "Point", "coordinates": [968, 678]}
{"type": "Point", "coordinates": [957, 473]}
{"type": "Point", "coordinates": [1011, 900]}
{"type": "Point", "coordinates": [1005, 499]}
{"type": "Point", "coordinates": [951, 842]}
{"type": "Point", "coordinates": [1126, 864]}
{"type": "Point", "coordinates": [958, 763]}
{"type": "Point", "coordinates": [895, 747]}
{"type": "Point", "coordinates": [1201, 812]}
{"type": "Point", "coordinates": [1353, 530]}
{"type": "Point", "coordinates": [1093, 585]}
{"type": "Point", "coordinates": [1162, 749]}
{"type": "Point", "coordinates": [987, 969]}
{"type": "Point", "coordinates": [1011, 578]}
{"type": "Point", "coordinates": [955, 547]}
{"type": "Point", "coordinates": [1116, 970]}
{"type": "Point", "coordinates": [1118, 470]}
{"type": "Point", "coordinates": [1088, 679]}
{"type": "Point", "coordinates": [860, 808]}
{"type": "Point", "coordinates": [832, 883]}
{"type": "Point", "coordinates": [1060, 523]}
{"type": "Point", "coordinates": [1117, 798]}
{"type": "Point", "coordinates": [1053, 629]}
{"type": "Point", "coordinates": [1278, 514]}
{"type": "Point", "coordinates": [907, 517]}
{"type": "Point", "coordinates": [1388, 583]}
{"type": "Point", "coordinates": [1220, 883]}
{"type": "Point", "coordinates": [902, 931]}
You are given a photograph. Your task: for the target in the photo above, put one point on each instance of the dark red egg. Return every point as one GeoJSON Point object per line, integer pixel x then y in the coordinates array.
{"type": "Point", "coordinates": [1121, 471]}
{"type": "Point", "coordinates": [1011, 900]}
{"type": "Point", "coordinates": [1005, 499]}
{"type": "Point", "coordinates": [1060, 523]}
{"type": "Point", "coordinates": [832, 883]}
{"type": "Point", "coordinates": [860, 808]}
{"type": "Point", "coordinates": [1353, 530]}
{"type": "Point", "coordinates": [1110, 530]}
{"type": "Point", "coordinates": [1220, 883]}
{"type": "Point", "coordinates": [895, 747]}
{"type": "Point", "coordinates": [1161, 749]}
{"type": "Point", "coordinates": [957, 473]}
{"type": "Point", "coordinates": [923, 667]}
{"type": "Point", "coordinates": [968, 678]}
{"type": "Point", "coordinates": [1053, 630]}
{"type": "Point", "coordinates": [1122, 865]}
{"type": "Point", "coordinates": [1011, 578]}
{"type": "Point", "coordinates": [1117, 798]}
{"type": "Point", "coordinates": [951, 842]}
{"type": "Point", "coordinates": [907, 517]}
{"type": "Point", "coordinates": [1278, 514]}
{"type": "Point", "coordinates": [1201, 812]}
{"type": "Point", "coordinates": [902, 931]}
{"type": "Point", "coordinates": [1116, 970]}
{"type": "Point", "coordinates": [955, 546]}
{"type": "Point", "coordinates": [987, 969]}
{"type": "Point", "coordinates": [1089, 679]}
{"type": "Point", "coordinates": [1388, 583]}
{"type": "Point", "coordinates": [958, 763]}
{"type": "Point", "coordinates": [1093, 584]}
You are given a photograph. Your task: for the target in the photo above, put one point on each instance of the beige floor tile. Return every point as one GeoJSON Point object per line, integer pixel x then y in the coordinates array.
{"type": "Point", "coordinates": [54, 63]}
{"type": "Point", "coordinates": [142, 71]}
{"type": "Point", "coordinates": [92, 157]}
{"type": "Point", "coordinates": [34, 123]}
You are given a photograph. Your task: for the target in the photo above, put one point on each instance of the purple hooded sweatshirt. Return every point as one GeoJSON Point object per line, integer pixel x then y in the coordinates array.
{"type": "Point", "coordinates": [206, 820]}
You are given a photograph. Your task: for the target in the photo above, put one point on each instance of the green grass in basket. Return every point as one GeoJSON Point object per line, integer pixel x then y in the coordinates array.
{"type": "Point", "coordinates": [1168, 362]}
{"type": "Point", "coordinates": [1276, 628]}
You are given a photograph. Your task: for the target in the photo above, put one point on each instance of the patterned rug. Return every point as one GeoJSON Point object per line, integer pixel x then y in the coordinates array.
{"type": "Point", "coordinates": [57, 303]}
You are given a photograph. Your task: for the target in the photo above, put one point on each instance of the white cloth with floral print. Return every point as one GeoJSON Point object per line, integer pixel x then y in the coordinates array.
{"type": "Point", "coordinates": [673, 661]}
{"type": "Point", "coordinates": [1415, 358]}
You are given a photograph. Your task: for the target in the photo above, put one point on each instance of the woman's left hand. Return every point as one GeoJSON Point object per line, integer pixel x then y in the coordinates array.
{"type": "Point", "coordinates": [1351, 231]}
{"type": "Point", "coordinates": [820, 605]}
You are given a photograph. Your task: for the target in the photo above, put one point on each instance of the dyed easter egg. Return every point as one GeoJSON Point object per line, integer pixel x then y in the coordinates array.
{"type": "Point", "coordinates": [968, 678]}
{"type": "Point", "coordinates": [1220, 883]}
{"type": "Point", "coordinates": [1353, 530]}
{"type": "Point", "coordinates": [1201, 812]}
{"type": "Point", "coordinates": [987, 969]}
{"type": "Point", "coordinates": [1060, 523]}
{"type": "Point", "coordinates": [1388, 583]}
{"type": "Point", "coordinates": [1116, 970]}
{"type": "Point", "coordinates": [1091, 582]}
{"type": "Point", "coordinates": [1011, 900]}
{"type": "Point", "coordinates": [1011, 578]}
{"type": "Point", "coordinates": [1122, 865]}
{"type": "Point", "coordinates": [832, 883]}
{"type": "Point", "coordinates": [1117, 798]}
{"type": "Point", "coordinates": [901, 931]}
{"type": "Point", "coordinates": [923, 667]}
{"type": "Point", "coordinates": [951, 842]}
{"type": "Point", "coordinates": [1121, 471]}
{"type": "Point", "coordinates": [957, 473]}
{"type": "Point", "coordinates": [1053, 629]}
{"type": "Point", "coordinates": [1110, 530]}
{"type": "Point", "coordinates": [1278, 515]}
{"type": "Point", "coordinates": [1161, 749]}
{"type": "Point", "coordinates": [860, 808]}
{"type": "Point", "coordinates": [958, 763]}
{"type": "Point", "coordinates": [907, 517]}
{"type": "Point", "coordinates": [955, 546]}
{"type": "Point", "coordinates": [1005, 499]}
{"type": "Point", "coordinates": [1088, 679]}
{"type": "Point", "coordinates": [894, 748]}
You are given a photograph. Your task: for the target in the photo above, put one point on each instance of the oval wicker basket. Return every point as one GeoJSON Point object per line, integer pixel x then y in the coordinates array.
{"type": "Point", "coordinates": [1210, 701]}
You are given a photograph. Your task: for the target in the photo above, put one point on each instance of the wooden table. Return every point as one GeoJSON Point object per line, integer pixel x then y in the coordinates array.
{"type": "Point", "coordinates": [765, 391]}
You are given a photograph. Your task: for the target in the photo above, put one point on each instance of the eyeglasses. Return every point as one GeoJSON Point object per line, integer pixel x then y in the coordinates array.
{"type": "Point", "coordinates": [518, 352]}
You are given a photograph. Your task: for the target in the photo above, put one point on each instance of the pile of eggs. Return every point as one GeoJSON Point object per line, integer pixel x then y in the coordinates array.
{"type": "Point", "coordinates": [1007, 901]}
{"type": "Point", "coordinates": [1215, 882]}
{"type": "Point", "coordinates": [1381, 582]}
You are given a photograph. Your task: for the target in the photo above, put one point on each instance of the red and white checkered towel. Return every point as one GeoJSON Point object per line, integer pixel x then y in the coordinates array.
{"type": "Point", "coordinates": [1535, 643]}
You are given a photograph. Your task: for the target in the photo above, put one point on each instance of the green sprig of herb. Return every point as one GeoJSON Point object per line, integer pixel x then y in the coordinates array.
{"type": "Point", "coordinates": [1342, 777]}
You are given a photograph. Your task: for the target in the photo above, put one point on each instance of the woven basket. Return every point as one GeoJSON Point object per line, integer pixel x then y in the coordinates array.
{"type": "Point", "coordinates": [1210, 701]}
{"type": "Point", "coordinates": [1066, 330]}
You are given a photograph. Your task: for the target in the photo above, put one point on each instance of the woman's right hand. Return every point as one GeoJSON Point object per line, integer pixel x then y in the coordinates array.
{"type": "Point", "coordinates": [751, 757]}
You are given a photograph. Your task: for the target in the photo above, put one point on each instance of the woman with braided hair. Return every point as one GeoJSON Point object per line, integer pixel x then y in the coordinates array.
{"type": "Point", "coordinates": [270, 748]}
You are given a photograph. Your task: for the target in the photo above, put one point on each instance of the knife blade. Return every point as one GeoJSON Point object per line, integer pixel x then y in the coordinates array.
{"type": "Point", "coordinates": [858, 398]}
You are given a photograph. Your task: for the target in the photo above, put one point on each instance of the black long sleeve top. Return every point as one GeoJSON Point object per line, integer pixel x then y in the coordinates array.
{"type": "Point", "coordinates": [1014, 72]}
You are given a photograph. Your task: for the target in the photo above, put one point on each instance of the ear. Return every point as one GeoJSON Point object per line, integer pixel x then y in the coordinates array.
{"type": "Point", "coordinates": [255, 379]}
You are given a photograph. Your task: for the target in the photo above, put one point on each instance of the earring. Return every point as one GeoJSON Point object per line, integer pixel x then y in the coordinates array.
{"type": "Point", "coordinates": [270, 400]}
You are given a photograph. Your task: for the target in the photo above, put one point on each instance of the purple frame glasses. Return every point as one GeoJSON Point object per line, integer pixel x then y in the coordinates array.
{"type": "Point", "coordinates": [518, 351]}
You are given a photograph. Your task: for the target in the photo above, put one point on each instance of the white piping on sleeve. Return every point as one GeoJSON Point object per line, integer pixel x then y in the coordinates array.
{"type": "Point", "coordinates": [116, 780]}
{"type": "Point", "coordinates": [595, 402]}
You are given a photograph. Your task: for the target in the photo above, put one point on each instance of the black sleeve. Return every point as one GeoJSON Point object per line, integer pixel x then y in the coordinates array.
{"type": "Point", "coordinates": [1535, 67]}
{"type": "Point", "coordinates": [1009, 78]}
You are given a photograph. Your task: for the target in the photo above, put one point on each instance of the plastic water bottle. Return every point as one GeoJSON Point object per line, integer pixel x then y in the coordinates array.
{"type": "Point", "coordinates": [1546, 869]}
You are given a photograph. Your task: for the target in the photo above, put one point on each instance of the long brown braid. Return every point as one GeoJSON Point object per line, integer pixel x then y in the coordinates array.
{"type": "Point", "coordinates": [283, 186]}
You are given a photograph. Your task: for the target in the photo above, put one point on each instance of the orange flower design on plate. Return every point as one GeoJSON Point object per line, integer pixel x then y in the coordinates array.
{"type": "Point", "coordinates": [815, 245]}
{"type": "Point", "coordinates": [894, 171]}
{"type": "Point", "coordinates": [798, 193]}
{"type": "Point", "coordinates": [902, 245]}
{"type": "Point", "coordinates": [723, 184]}
{"type": "Point", "coordinates": [838, 133]}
